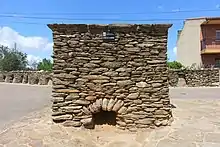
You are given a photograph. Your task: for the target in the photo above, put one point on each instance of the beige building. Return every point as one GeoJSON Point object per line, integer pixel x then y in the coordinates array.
{"type": "Point", "coordinates": [199, 42]}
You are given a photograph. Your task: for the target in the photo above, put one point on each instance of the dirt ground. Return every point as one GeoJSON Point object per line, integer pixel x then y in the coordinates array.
{"type": "Point", "coordinates": [196, 124]}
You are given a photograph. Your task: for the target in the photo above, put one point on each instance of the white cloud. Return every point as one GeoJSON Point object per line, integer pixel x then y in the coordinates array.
{"type": "Point", "coordinates": [9, 37]}
{"type": "Point", "coordinates": [33, 61]}
{"type": "Point", "coordinates": [175, 50]}
{"type": "Point", "coordinates": [32, 58]}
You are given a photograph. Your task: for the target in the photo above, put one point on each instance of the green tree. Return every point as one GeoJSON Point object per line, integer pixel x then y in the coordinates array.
{"type": "Point", "coordinates": [45, 65]}
{"type": "Point", "coordinates": [12, 59]}
{"type": "Point", "coordinates": [174, 65]}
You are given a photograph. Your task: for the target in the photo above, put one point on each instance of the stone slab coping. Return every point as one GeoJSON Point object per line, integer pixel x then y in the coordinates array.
{"type": "Point", "coordinates": [101, 27]}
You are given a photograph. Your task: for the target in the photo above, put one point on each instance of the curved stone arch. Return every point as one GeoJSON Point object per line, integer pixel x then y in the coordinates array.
{"type": "Point", "coordinates": [114, 105]}
{"type": "Point", "coordinates": [105, 105]}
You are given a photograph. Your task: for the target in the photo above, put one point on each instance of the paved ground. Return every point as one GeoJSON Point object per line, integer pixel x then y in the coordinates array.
{"type": "Point", "coordinates": [195, 93]}
{"type": "Point", "coordinates": [18, 100]}
{"type": "Point", "coordinates": [196, 122]}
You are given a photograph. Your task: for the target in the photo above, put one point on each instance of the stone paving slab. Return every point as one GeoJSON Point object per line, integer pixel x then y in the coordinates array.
{"type": "Point", "coordinates": [196, 124]}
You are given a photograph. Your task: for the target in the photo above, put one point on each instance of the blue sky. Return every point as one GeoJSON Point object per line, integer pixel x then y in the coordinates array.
{"type": "Point", "coordinates": [35, 39]}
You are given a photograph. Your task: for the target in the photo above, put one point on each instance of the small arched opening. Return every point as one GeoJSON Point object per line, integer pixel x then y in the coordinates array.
{"type": "Point", "coordinates": [104, 118]}
{"type": "Point", "coordinates": [104, 112]}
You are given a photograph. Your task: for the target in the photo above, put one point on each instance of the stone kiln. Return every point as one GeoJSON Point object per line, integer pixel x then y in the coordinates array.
{"type": "Point", "coordinates": [113, 74]}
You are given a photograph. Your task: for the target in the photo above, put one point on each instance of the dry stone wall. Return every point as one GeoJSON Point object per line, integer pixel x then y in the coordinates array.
{"type": "Point", "coordinates": [27, 77]}
{"type": "Point", "coordinates": [192, 78]}
{"type": "Point", "coordinates": [126, 75]}
{"type": "Point", "coordinates": [195, 78]}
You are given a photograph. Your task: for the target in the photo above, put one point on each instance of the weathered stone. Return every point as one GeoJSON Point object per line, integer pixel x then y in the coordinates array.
{"type": "Point", "coordinates": [156, 85]}
{"type": "Point", "coordinates": [146, 45]}
{"type": "Point", "coordinates": [104, 104]}
{"type": "Point", "coordinates": [86, 111]}
{"type": "Point", "coordinates": [124, 83]}
{"type": "Point", "coordinates": [131, 109]}
{"type": "Point", "coordinates": [118, 105]}
{"type": "Point", "coordinates": [68, 91]}
{"type": "Point", "coordinates": [122, 110]}
{"type": "Point", "coordinates": [161, 112]}
{"type": "Point", "coordinates": [72, 96]}
{"type": "Point", "coordinates": [99, 103]}
{"type": "Point", "coordinates": [120, 123]}
{"type": "Point", "coordinates": [137, 101]}
{"type": "Point", "coordinates": [141, 84]}
{"type": "Point", "coordinates": [121, 96]}
{"type": "Point", "coordinates": [110, 74]}
{"type": "Point", "coordinates": [110, 104]}
{"type": "Point", "coordinates": [145, 121]}
{"type": "Point", "coordinates": [70, 108]}
{"type": "Point", "coordinates": [150, 109]}
{"type": "Point", "coordinates": [122, 69]}
{"type": "Point", "coordinates": [90, 98]}
{"type": "Point", "coordinates": [58, 99]}
{"type": "Point", "coordinates": [92, 109]}
{"type": "Point", "coordinates": [133, 96]}
{"type": "Point", "coordinates": [82, 102]}
{"type": "Point", "coordinates": [96, 77]}
{"type": "Point", "coordinates": [134, 49]}
{"type": "Point", "coordinates": [62, 117]}
{"type": "Point", "coordinates": [109, 84]}
{"type": "Point", "coordinates": [88, 123]}
{"type": "Point", "coordinates": [72, 123]}
{"type": "Point", "coordinates": [111, 64]}
{"type": "Point", "coordinates": [91, 65]}
{"type": "Point", "coordinates": [57, 113]}
{"type": "Point", "coordinates": [100, 81]}
{"type": "Point", "coordinates": [133, 89]}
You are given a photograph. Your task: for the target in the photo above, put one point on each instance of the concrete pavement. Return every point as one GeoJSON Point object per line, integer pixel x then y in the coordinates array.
{"type": "Point", "coordinates": [17, 100]}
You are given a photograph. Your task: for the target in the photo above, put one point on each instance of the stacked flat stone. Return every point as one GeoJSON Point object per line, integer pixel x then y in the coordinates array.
{"type": "Point", "coordinates": [195, 78]}
{"type": "Point", "coordinates": [205, 77]}
{"type": "Point", "coordinates": [127, 75]}
{"type": "Point", "coordinates": [26, 77]}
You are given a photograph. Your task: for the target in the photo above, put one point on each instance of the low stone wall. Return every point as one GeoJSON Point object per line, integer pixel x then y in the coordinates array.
{"type": "Point", "coordinates": [194, 78]}
{"type": "Point", "coordinates": [176, 78]}
{"type": "Point", "coordinates": [26, 77]}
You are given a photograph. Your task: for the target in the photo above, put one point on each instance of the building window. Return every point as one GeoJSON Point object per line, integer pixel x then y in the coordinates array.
{"type": "Point", "coordinates": [217, 34]}
{"type": "Point", "coordinates": [217, 62]}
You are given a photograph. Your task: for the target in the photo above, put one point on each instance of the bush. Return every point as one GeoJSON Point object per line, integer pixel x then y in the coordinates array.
{"type": "Point", "coordinates": [174, 65]}
{"type": "Point", "coordinates": [45, 65]}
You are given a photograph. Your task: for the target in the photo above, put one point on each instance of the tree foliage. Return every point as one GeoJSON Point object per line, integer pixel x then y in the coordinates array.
{"type": "Point", "coordinates": [12, 59]}
{"type": "Point", "coordinates": [174, 65]}
{"type": "Point", "coordinates": [45, 65]}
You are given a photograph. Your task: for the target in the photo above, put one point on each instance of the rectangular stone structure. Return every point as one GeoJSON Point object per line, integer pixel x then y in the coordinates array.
{"type": "Point", "coordinates": [125, 73]}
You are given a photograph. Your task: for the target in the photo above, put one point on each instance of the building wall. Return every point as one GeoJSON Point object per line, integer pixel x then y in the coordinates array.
{"type": "Point", "coordinates": [188, 44]}
{"type": "Point", "coordinates": [209, 30]}
{"type": "Point", "coordinates": [208, 60]}
{"type": "Point", "coordinates": [209, 34]}
{"type": "Point", "coordinates": [127, 75]}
